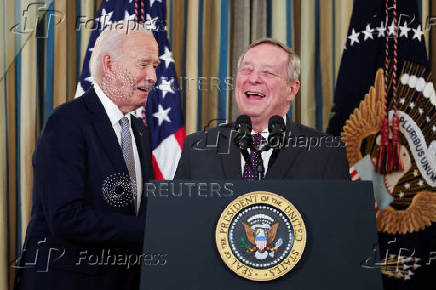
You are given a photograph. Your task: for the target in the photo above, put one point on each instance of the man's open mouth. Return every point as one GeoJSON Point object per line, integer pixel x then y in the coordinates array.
{"type": "Point", "coordinates": [254, 95]}
{"type": "Point", "coordinates": [144, 89]}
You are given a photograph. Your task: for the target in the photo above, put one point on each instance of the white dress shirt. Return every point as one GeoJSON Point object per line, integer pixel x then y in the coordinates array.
{"type": "Point", "coordinates": [115, 115]}
{"type": "Point", "coordinates": [266, 155]}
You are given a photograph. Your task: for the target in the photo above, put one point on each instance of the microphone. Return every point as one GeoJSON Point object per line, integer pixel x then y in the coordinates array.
{"type": "Point", "coordinates": [276, 137]}
{"type": "Point", "coordinates": [243, 138]}
{"type": "Point", "coordinates": [276, 129]}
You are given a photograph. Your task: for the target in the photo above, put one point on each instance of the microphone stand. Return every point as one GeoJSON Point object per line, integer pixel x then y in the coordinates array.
{"type": "Point", "coordinates": [260, 169]}
{"type": "Point", "coordinates": [246, 156]}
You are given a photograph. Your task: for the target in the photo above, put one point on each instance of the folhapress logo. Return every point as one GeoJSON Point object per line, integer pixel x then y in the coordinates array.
{"type": "Point", "coordinates": [33, 15]}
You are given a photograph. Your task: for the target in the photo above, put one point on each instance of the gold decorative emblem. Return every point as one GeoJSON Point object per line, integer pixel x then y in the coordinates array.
{"type": "Point", "coordinates": [260, 236]}
{"type": "Point", "coordinates": [407, 199]}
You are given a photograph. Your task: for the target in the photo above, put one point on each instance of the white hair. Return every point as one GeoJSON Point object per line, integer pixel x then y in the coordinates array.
{"type": "Point", "coordinates": [111, 41]}
{"type": "Point", "coordinates": [294, 60]}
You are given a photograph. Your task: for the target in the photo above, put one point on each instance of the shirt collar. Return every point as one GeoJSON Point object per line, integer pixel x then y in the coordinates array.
{"type": "Point", "coordinates": [112, 110]}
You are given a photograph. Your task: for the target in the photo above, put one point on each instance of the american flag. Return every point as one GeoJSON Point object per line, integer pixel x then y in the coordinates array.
{"type": "Point", "coordinates": [162, 113]}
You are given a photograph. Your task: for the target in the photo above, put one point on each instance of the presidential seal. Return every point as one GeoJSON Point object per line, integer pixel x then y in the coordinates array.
{"type": "Point", "coordinates": [260, 236]}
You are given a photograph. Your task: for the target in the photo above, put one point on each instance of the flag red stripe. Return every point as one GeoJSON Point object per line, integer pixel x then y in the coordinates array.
{"type": "Point", "coordinates": [157, 173]}
{"type": "Point", "coordinates": [180, 136]}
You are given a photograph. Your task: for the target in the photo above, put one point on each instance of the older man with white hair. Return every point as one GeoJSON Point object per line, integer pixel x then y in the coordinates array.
{"type": "Point", "coordinates": [87, 223]}
{"type": "Point", "coordinates": [266, 84]}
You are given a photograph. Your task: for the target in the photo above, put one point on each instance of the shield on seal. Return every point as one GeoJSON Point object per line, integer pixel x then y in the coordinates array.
{"type": "Point", "coordinates": [261, 240]}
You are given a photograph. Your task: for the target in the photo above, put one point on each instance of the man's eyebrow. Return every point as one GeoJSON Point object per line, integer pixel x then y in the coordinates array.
{"type": "Point", "coordinates": [266, 66]}
{"type": "Point", "coordinates": [270, 66]}
{"type": "Point", "coordinates": [246, 63]}
{"type": "Point", "coordinates": [149, 60]}
{"type": "Point", "coordinates": [144, 60]}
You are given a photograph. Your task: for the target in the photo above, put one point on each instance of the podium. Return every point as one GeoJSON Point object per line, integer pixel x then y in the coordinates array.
{"type": "Point", "coordinates": [182, 216]}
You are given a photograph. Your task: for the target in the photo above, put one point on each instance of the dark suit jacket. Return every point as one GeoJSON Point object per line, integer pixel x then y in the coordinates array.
{"type": "Point", "coordinates": [308, 154]}
{"type": "Point", "coordinates": [74, 232]}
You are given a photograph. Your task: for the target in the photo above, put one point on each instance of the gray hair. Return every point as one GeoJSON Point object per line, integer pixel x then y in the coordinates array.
{"type": "Point", "coordinates": [111, 41]}
{"type": "Point", "coordinates": [294, 60]}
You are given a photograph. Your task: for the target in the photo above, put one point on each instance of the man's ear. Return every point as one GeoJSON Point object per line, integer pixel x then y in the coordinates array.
{"type": "Point", "coordinates": [107, 63]}
{"type": "Point", "coordinates": [294, 87]}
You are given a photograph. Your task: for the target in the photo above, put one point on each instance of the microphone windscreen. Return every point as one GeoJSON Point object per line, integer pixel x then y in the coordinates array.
{"type": "Point", "coordinates": [276, 122]}
{"type": "Point", "coordinates": [243, 120]}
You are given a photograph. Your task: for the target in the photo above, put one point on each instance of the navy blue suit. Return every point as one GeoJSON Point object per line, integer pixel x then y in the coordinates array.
{"type": "Point", "coordinates": [213, 154]}
{"type": "Point", "coordinates": [76, 235]}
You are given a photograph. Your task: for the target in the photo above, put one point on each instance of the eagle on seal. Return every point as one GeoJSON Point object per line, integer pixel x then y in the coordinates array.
{"type": "Point", "coordinates": [260, 238]}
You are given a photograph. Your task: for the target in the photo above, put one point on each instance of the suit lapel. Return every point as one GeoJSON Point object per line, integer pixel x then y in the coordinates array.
{"type": "Point", "coordinates": [139, 140]}
{"type": "Point", "coordinates": [105, 132]}
{"type": "Point", "coordinates": [229, 154]}
{"type": "Point", "coordinates": [286, 156]}
{"type": "Point", "coordinates": [142, 145]}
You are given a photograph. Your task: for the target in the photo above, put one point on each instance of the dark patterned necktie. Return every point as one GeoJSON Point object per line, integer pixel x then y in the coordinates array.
{"type": "Point", "coordinates": [250, 172]}
{"type": "Point", "coordinates": [127, 149]}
